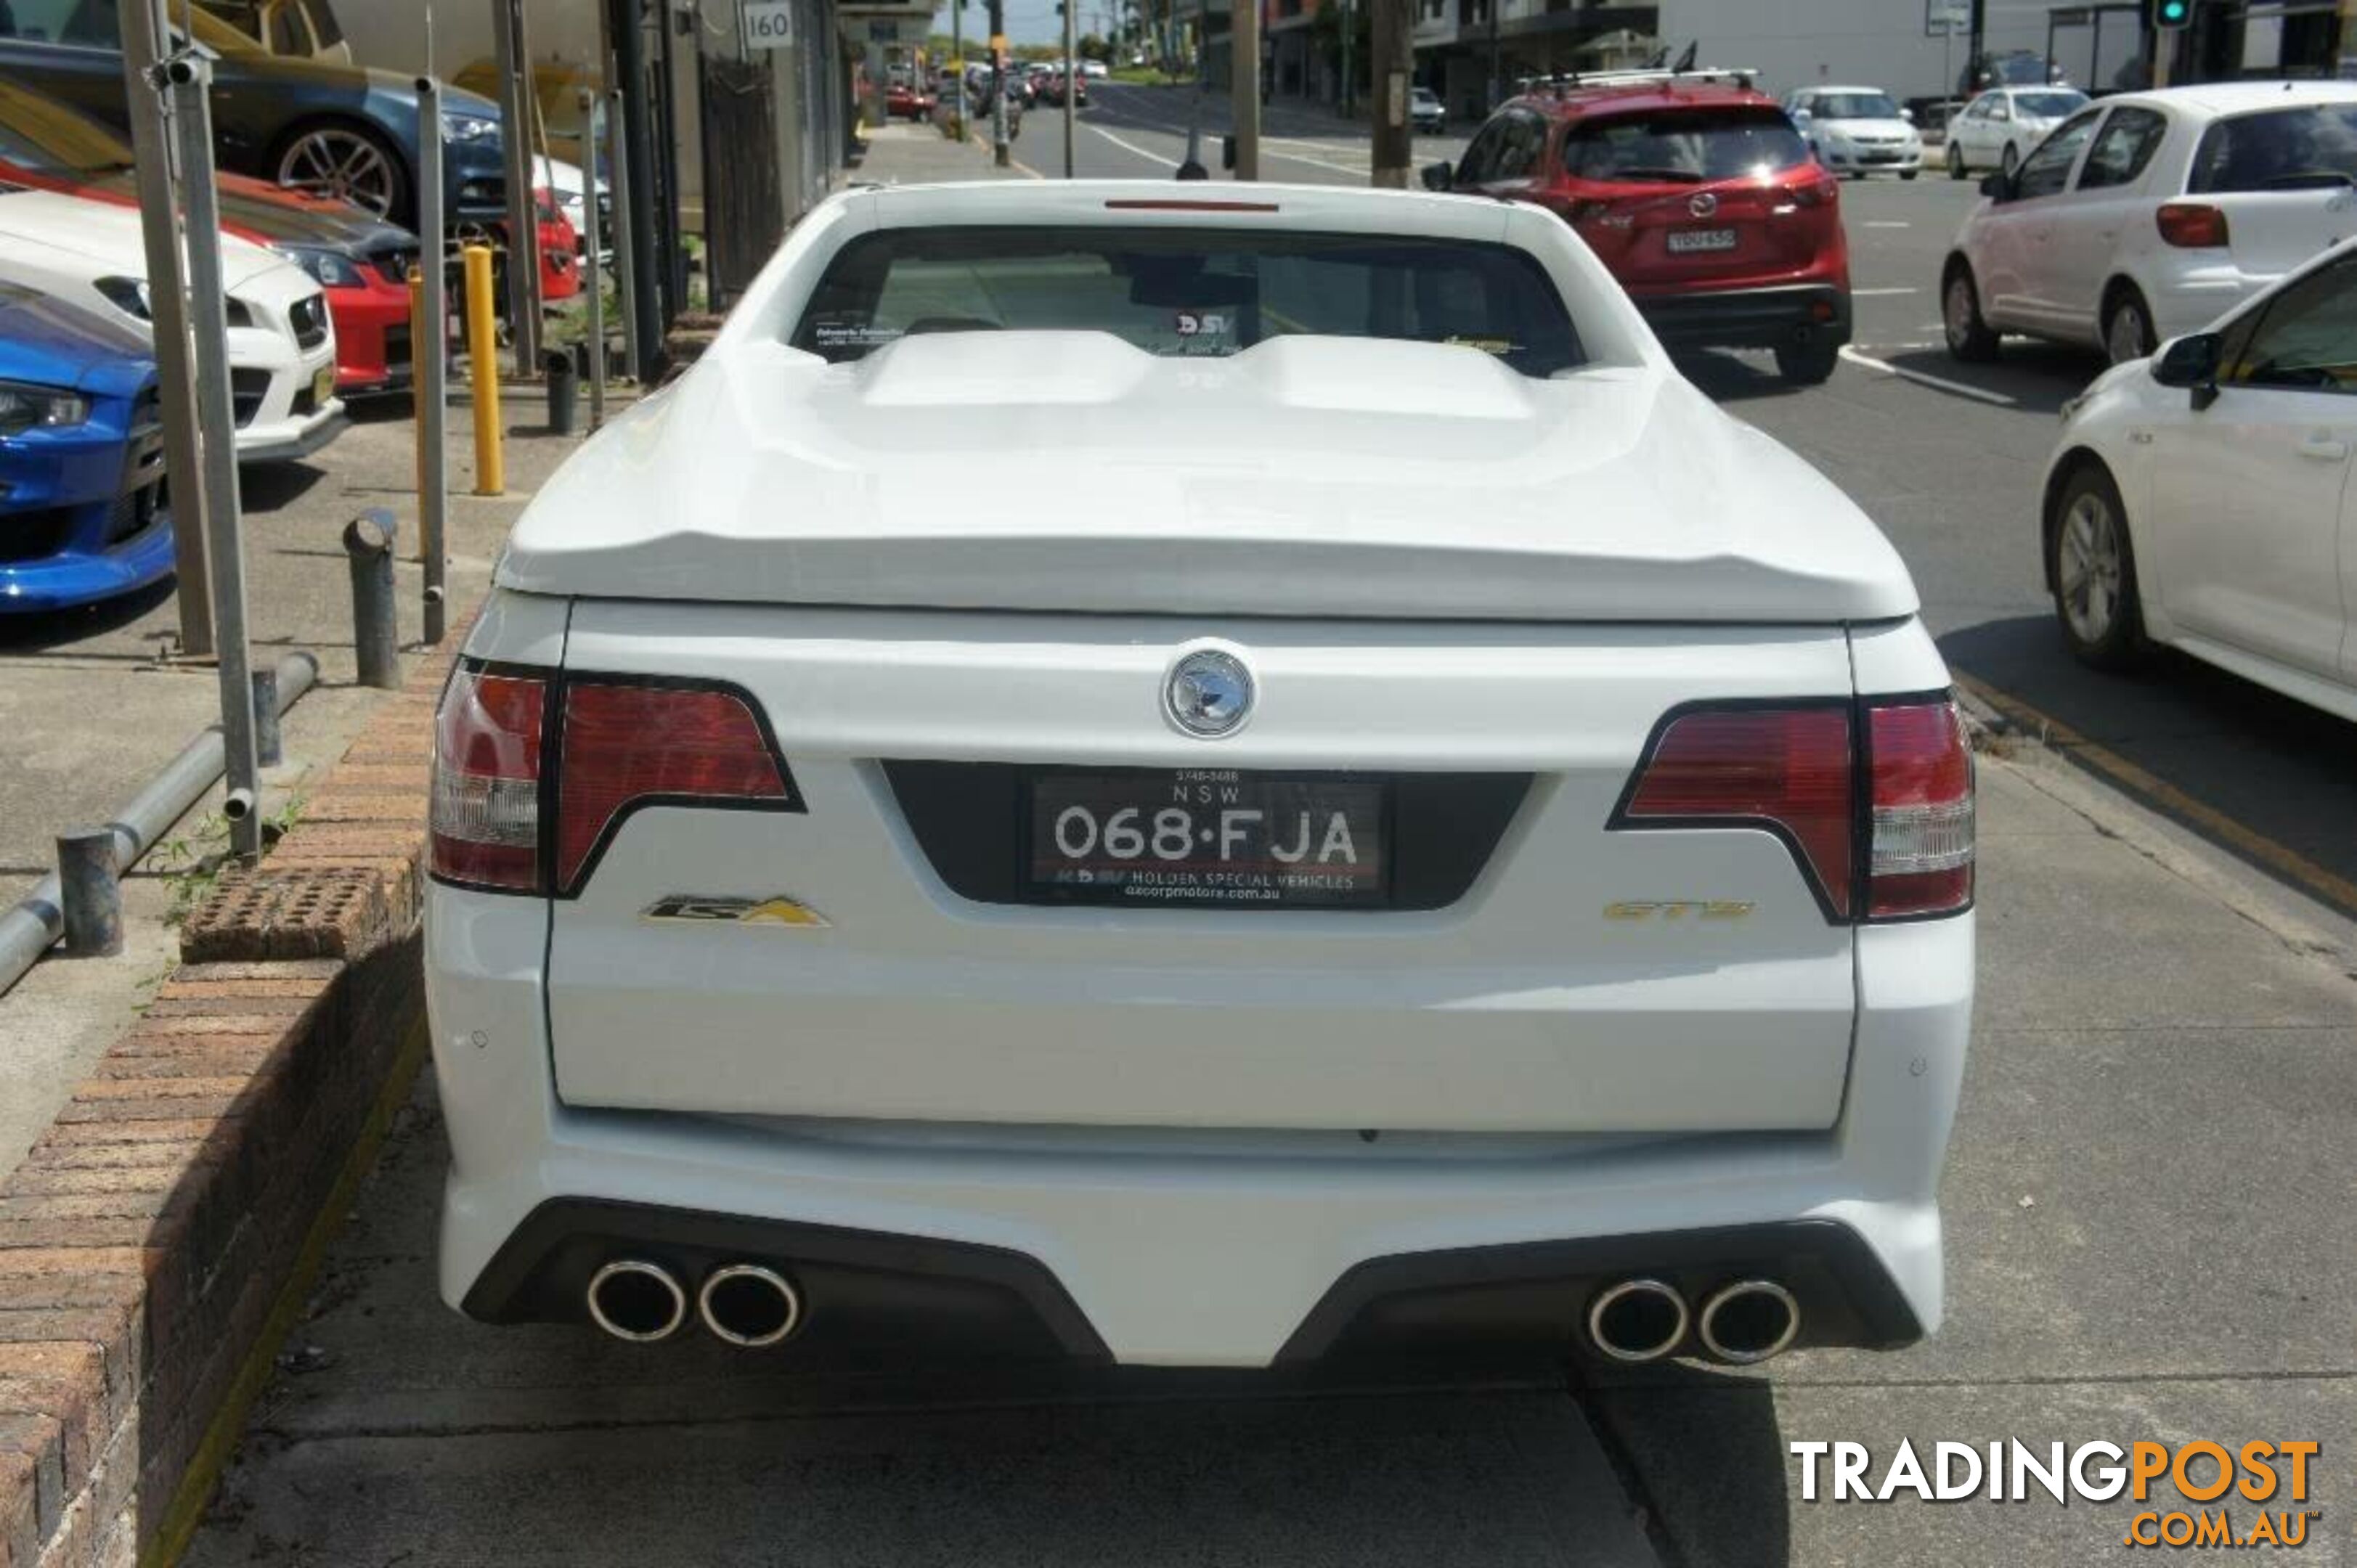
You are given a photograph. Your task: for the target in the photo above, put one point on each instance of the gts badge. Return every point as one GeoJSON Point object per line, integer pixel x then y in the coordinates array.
{"type": "Point", "coordinates": [1677, 909]}
{"type": "Point", "coordinates": [699, 908]}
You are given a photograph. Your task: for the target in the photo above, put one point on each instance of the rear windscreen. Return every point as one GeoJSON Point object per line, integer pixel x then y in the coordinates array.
{"type": "Point", "coordinates": [2309, 147]}
{"type": "Point", "coordinates": [1687, 147]}
{"type": "Point", "coordinates": [1174, 291]}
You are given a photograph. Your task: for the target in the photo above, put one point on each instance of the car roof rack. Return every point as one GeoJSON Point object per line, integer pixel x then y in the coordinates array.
{"type": "Point", "coordinates": [1573, 80]}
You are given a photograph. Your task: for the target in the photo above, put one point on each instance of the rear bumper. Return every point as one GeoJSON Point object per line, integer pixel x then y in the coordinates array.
{"type": "Point", "coordinates": [1181, 1255]}
{"type": "Point", "coordinates": [1749, 318]}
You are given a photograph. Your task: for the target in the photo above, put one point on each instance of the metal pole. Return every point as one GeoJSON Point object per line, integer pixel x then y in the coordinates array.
{"type": "Point", "coordinates": [37, 920]}
{"type": "Point", "coordinates": [153, 161]}
{"type": "Point", "coordinates": [999, 152]}
{"type": "Point", "coordinates": [593, 268]}
{"type": "Point", "coordinates": [523, 217]}
{"type": "Point", "coordinates": [269, 748]}
{"type": "Point", "coordinates": [670, 206]}
{"type": "Point", "coordinates": [1349, 95]}
{"type": "Point", "coordinates": [634, 361]}
{"type": "Point", "coordinates": [209, 317]}
{"type": "Point", "coordinates": [1243, 85]}
{"type": "Point", "coordinates": [1071, 81]}
{"type": "Point", "coordinates": [430, 357]}
{"type": "Point", "coordinates": [90, 893]}
{"type": "Point", "coordinates": [1394, 141]}
{"type": "Point", "coordinates": [637, 159]}
{"type": "Point", "coordinates": [368, 552]}
{"type": "Point", "coordinates": [957, 61]}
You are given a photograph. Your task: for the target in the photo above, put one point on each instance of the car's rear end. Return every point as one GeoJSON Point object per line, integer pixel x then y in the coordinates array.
{"type": "Point", "coordinates": [1707, 207]}
{"type": "Point", "coordinates": [2266, 189]}
{"type": "Point", "coordinates": [1338, 898]}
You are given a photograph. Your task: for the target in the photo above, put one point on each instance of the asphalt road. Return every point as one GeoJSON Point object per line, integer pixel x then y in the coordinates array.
{"type": "Point", "coordinates": [2162, 1068]}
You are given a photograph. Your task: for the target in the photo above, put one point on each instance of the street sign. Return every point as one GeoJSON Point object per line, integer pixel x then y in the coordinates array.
{"type": "Point", "coordinates": [767, 24]}
{"type": "Point", "coordinates": [1946, 18]}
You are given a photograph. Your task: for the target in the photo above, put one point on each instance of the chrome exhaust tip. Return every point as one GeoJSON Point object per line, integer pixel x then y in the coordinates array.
{"type": "Point", "coordinates": [747, 1304]}
{"type": "Point", "coordinates": [632, 1299]}
{"type": "Point", "coordinates": [1749, 1322]}
{"type": "Point", "coordinates": [1637, 1320]}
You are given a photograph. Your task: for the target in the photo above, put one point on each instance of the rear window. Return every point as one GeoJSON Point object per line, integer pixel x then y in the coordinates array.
{"type": "Point", "coordinates": [2307, 148]}
{"type": "Point", "coordinates": [1182, 292]}
{"type": "Point", "coordinates": [1689, 146]}
{"type": "Point", "coordinates": [2050, 105]}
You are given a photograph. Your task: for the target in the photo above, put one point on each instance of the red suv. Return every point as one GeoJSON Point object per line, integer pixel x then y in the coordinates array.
{"type": "Point", "coordinates": [1700, 197]}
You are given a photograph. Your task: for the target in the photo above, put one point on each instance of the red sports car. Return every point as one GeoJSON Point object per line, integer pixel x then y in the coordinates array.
{"type": "Point", "coordinates": [1697, 192]}
{"type": "Point", "coordinates": [906, 100]}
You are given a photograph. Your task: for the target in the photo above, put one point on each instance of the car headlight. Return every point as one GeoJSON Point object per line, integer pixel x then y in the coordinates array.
{"type": "Point", "coordinates": [26, 407]}
{"type": "Point", "coordinates": [469, 128]}
{"type": "Point", "coordinates": [328, 269]}
{"type": "Point", "coordinates": [127, 294]}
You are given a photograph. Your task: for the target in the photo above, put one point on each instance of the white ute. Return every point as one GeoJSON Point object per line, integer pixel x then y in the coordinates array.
{"type": "Point", "coordinates": [1441, 836]}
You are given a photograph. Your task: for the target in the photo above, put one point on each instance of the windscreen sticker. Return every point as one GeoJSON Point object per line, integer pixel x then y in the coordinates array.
{"type": "Point", "coordinates": [851, 335]}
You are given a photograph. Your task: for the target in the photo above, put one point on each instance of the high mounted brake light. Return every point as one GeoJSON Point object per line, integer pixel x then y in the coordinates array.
{"type": "Point", "coordinates": [1874, 800]}
{"type": "Point", "coordinates": [1134, 204]}
{"type": "Point", "coordinates": [533, 774]}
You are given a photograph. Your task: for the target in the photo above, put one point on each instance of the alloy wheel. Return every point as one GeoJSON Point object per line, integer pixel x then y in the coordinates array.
{"type": "Point", "coordinates": [2126, 336]}
{"type": "Point", "coordinates": [1957, 310]}
{"type": "Point", "coordinates": [340, 164]}
{"type": "Point", "coordinates": [2087, 568]}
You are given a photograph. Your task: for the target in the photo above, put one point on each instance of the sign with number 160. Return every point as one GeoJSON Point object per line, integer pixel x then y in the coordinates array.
{"type": "Point", "coordinates": [769, 24]}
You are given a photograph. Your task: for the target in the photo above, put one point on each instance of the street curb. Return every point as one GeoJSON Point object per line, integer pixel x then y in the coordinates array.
{"type": "Point", "coordinates": [154, 1241]}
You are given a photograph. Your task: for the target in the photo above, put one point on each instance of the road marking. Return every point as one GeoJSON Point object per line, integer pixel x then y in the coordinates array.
{"type": "Point", "coordinates": [1885, 223]}
{"type": "Point", "coordinates": [2253, 846]}
{"type": "Point", "coordinates": [1939, 383]}
{"type": "Point", "coordinates": [1862, 293]}
{"type": "Point", "coordinates": [1128, 146]}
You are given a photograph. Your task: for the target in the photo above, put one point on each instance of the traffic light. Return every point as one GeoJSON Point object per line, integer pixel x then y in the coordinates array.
{"type": "Point", "coordinates": [2168, 16]}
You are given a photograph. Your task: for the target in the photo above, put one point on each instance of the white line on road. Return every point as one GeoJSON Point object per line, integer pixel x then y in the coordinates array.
{"type": "Point", "coordinates": [1884, 223]}
{"type": "Point", "coordinates": [1129, 146]}
{"type": "Point", "coordinates": [1861, 293]}
{"type": "Point", "coordinates": [1938, 383]}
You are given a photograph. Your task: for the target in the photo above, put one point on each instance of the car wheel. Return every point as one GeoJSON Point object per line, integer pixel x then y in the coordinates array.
{"type": "Point", "coordinates": [1955, 161]}
{"type": "Point", "coordinates": [1970, 336]}
{"type": "Point", "coordinates": [1807, 364]}
{"type": "Point", "coordinates": [343, 162]}
{"type": "Point", "coordinates": [2127, 327]}
{"type": "Point", "coordinates": [1908, 173]}
{"type": "Point", "coordinates": [2092, 565]}
{"type": "Point", "coordinates": [2012, 160]}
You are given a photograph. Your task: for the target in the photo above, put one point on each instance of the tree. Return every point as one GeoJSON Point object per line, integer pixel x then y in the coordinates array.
{"type": "Point", "coordinates": [1094, 48]}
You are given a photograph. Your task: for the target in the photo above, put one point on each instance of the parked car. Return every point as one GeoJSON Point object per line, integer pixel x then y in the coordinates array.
{"type": "Point", "coordinates": [906, 100]}
{"type": "Point", "coordinates": [81, 457]}
{"type": "Point", "coordinates": [560, 251]}
{"type": "Point", "coordinates": [1134, 985]}
{"type": "Point", "coordinates": [1857, 131]}
{"type": "Point", "coordinates": [1095, 69]}
{"type": "Point", "coordinates": [329, 129]}
{"type": "Point", "coordinates": [1697, 193]}
{"type": "Point", "coordinates": [282, 342]}
{"type": "Point", "coordinates": [301, 30]}
{"type": "Point", "coordinates": [361, 263]}
{"type": "Point", "coordinates": [2199, 500]}
{"type": "Point", "coordinates": [570, 187]}
{"type": "Point", "coordinates": [2147, 215]}
{"type": "Point", "coordinates": [1998, 129]}
{"type": "Point", "coordinates": [1052, 87]}
{"type": "Point", "coordinates": [1425, 111]}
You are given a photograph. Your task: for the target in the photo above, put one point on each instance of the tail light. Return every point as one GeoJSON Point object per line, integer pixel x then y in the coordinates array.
{"type": "Point", "coordinates": [1824, 191]}
{"type": "Point", "coordinates": [534, 775]}
{"type": "Point", "coordinates": [1881, 831]}
{"type": "Point", "coordinates": [2193, 225]}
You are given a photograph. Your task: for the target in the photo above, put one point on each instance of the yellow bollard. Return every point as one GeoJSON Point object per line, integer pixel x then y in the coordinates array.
{"type": "Point", "coordinates": [483, 366]}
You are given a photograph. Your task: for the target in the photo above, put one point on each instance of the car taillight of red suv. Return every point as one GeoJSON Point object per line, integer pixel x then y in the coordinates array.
{"type": "Point", "coordinates": [1701, 198]}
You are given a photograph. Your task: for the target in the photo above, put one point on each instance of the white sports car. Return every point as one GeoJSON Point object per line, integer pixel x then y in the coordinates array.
{"type": "Point", "coordinates": [1466, 841]}
{"type": "Point", "coordinates": [282, 343]}
{"type": "Point", "coordinates": [2200, 499]}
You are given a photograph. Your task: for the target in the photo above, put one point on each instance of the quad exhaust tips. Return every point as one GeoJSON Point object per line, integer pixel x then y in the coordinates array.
{"type": "Point", "coordinates": [632, 1299]}
{"type": "Point", "coordinates": [747, 1304]}
{"type": "Point", "coordinates": [1741, 1323]}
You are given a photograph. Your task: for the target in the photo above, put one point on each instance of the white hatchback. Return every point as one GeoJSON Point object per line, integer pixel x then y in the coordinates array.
{"type": "Point", "coordinates": [2145, 216]}
{"type": "Point", "coordinates": [1857, 131]}
{"type": "Point", "coordinates": [2200, 499]}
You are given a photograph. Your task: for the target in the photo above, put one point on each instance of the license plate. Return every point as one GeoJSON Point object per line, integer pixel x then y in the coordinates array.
{"type": "Point", "coordinates": [1199, 836]}
{"type": "Point", "coordinates": [1683, 241]}
{"type": "Point", "coordinates": [323, 385]}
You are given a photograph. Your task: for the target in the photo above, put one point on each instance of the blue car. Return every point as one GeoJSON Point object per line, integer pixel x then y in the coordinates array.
{"type": "Point", "coordinates": [82, 510]}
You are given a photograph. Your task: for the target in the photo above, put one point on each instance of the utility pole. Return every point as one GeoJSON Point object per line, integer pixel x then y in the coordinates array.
{"type": "Point", "coordinates": [523, 216]}
{"type": "Point", "coordinates": [153, 153]}
{"type": "Point", "coordinates": [1394, 142]}
{"type": "Point", "coordinates": [957, 59]}
{"type": "Point", "coordinates": [1349, 94]}
{"type": "Point", "coordinates": [1072, 79]}
{"type": "Point", "coordinates": [999, 154]}
{"type": "Point", "coordinates": [1243, 84]}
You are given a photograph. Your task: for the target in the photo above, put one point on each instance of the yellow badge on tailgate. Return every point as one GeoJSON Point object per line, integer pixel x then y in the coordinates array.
{"type": "Point", "coordinates": [696, 907]}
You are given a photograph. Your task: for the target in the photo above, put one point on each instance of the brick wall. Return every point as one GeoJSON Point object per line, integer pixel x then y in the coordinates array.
{"type": "Point", "coordinates": [147, 1238]}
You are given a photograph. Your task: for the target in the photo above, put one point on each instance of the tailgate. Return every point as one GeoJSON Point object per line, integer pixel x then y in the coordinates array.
{"type": "Point", "coordinates": [1522, 966]}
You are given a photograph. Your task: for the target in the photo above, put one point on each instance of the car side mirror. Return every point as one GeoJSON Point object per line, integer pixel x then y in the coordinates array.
{"type": "Point", "coordinates": [1998, 187]}
{"type": "Point", "coordinates": [2190, 362]}
{"type": "Point", "coordinates": [1801, 117]}
{"type": "Point", "coordinates": [1439, 176]}
{"type": "Point", "coordinates": [1907, 115]}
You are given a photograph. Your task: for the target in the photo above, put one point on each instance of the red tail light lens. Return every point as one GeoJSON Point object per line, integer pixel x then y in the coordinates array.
{"type": "Point", "coordinates": [2194, 225]}
{"type": "Point", "coordinates": [1788, 771]}
{"type": "Point", "coordinates": [483, 827]}
{"type": "Point", "coordinates": [629, 746]}
{"type": "Point", "coordinates": [1824, 192]}
{"type": "Point", "coordinates": [1922, 859]}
